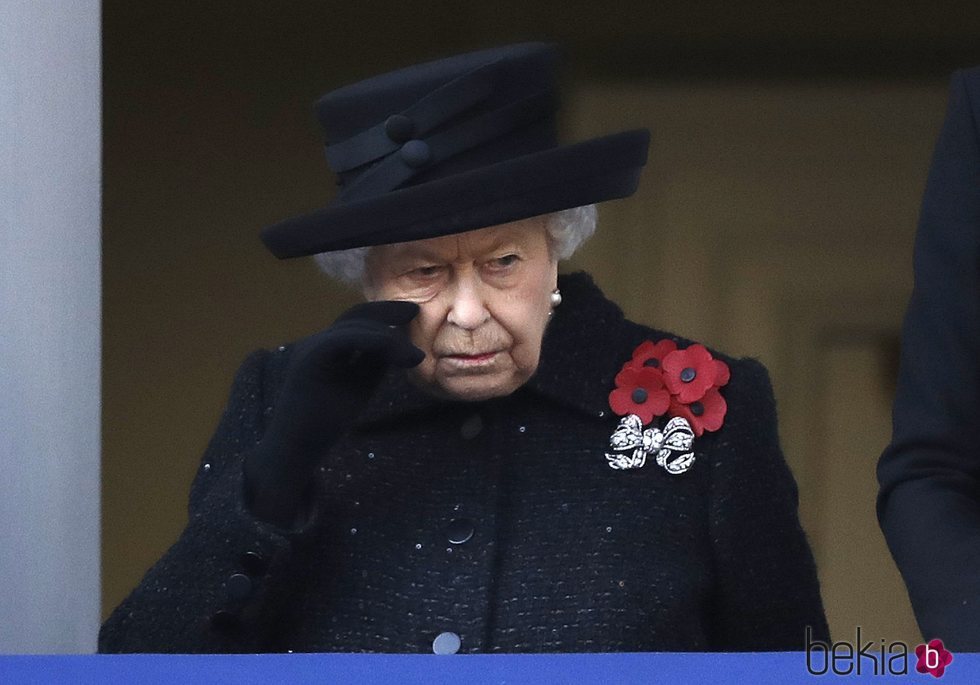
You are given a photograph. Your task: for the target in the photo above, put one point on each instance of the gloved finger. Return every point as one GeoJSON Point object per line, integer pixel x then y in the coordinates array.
{"type": "Point", "coordinates": [374, 344]}
{"type": "Point", "coordinates": [388, 312]}
{"type": "Point", "coordinates": [347, 342]}
{"type": "Point", "coordinates": [377, 344]}
{"type": "Point", "coordinates": [402, 353]}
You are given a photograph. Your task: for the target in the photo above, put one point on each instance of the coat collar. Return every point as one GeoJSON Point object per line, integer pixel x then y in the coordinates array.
{"type": "Point", "coordinates": [584, 347]}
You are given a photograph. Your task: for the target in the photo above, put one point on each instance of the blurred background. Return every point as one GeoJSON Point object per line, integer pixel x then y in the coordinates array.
{"type": "Point", "coordinates": [775, 218]}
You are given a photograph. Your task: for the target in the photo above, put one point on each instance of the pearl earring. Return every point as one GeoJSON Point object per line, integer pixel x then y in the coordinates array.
{"type": "Point", "coordinates": [555, 298]}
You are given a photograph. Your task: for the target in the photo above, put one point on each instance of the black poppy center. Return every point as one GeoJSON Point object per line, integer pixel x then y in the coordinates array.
{"type": "Point", "coordinates": [688, 374]}
{"type": "Point", "coordinates": [697, 408]}
{"type": "Point", "coordinates": [639, 395]}
{"type": "Point", "coordinates": [653, 361]}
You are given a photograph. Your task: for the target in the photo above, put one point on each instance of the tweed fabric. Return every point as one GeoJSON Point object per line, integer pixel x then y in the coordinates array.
{"type": "Point", "coordinates": [566, 554]}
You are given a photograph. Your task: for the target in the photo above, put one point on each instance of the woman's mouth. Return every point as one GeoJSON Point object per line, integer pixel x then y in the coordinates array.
{"type": "Point", "coordinates": [471, 359]}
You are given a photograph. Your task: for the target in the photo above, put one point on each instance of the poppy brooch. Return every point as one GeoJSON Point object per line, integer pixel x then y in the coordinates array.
{"type": "Point", "coordinates": [678, 387]}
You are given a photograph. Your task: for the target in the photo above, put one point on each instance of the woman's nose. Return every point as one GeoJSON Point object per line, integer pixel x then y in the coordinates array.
{"type": "Point", "coordinates": [467, 309]}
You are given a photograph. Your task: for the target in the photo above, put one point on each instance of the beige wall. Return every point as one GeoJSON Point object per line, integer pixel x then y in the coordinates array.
{"type": "Point", "coordinates": [775, 220]}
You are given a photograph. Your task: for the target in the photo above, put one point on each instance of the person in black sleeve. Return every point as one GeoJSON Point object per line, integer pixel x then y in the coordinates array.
{"type": "Point", "coordinates": [929, 501]}
{"type": "Point", "coordinates": [484, 456]}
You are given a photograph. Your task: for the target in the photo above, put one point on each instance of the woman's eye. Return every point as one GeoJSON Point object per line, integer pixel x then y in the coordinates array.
{"type": "Point", "coordinates": [506, 261]}
{"type": "Point", "coordinates": [426, 271]}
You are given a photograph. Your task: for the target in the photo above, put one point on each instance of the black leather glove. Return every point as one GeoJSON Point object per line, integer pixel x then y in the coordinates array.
{"type": "Point", "coordinates": [329, 379]}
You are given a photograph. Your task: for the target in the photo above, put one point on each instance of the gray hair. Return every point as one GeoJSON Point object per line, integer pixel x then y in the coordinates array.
{"type": "Point", "coordinates": [567, 230]}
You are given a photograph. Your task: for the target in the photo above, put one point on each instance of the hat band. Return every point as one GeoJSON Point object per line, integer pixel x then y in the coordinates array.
{"type": "Point", "coordinates": [430, 112]}
{"type": "Point", "coordinates": [416, 155]}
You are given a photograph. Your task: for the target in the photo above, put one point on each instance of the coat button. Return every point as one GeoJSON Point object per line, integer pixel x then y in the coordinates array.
{"type": "Point", "coordinates": [224, 620]}
{"type": "Point", "coordinates": [416, 153]}
{"type": "Point", "coordinates": [254, 563]}
{"type": "Point", "coordinates": [460, 531]}
{"type": "Point", "coordinates": [471, 427]}
{"type": "Point", "coordinates": [239, 586]}
{"type": "Point", "coordinates": [399, 128]}
{"type": "Point", "coordinates": [446, 643]}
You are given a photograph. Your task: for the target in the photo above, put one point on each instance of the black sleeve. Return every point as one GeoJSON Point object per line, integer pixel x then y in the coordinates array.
{"type": "Point", "coordinates": [767, 593]}
{"type": "Point", "coordinates": [928, 502]}
{"type": "Point", "coordinates": [217, 588]}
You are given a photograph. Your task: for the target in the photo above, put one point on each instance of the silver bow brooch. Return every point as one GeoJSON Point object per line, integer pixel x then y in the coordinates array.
{"type": "Point", "coordinates": [674, 445]}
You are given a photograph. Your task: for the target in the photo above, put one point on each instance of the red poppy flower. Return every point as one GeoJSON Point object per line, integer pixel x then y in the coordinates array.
{"type": "Point", "coordinates": [705, 414]}
{"type": "Point", "coordinates": [640, 391]}
{"type": "Point", "coordinates": [723, 373]}
{"type": "Point", "coordinates": [652, 354]}
{"type": "Point", "coordinates": [691, 372]}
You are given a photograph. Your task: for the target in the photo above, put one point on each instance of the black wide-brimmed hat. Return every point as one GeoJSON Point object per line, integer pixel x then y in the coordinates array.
{"type": "Point", "coordinates": [450, 146]}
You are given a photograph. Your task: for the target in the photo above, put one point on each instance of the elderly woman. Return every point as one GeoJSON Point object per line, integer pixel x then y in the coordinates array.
{"type": "Point", "coordinates": [485, 456]}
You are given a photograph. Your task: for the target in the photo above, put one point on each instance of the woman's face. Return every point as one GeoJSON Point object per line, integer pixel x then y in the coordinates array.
{"type": "Point", "coordinates": [484, 299]}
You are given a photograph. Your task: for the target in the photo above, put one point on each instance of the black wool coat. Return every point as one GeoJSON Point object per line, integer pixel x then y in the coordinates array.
{"type": "Point", "coordinates": [500, 522]}
{"type": "Point", "coordinates": [929, 502]}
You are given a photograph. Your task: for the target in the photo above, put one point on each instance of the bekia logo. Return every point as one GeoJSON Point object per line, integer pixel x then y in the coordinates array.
{"type": "Point", "coordinates": [874, 658]}
{"type": "Point", "coordinates": [933, 658]}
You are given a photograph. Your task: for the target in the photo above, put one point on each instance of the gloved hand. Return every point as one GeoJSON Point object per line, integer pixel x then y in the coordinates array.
{"type": "Point", "coordinates": [329, 379]}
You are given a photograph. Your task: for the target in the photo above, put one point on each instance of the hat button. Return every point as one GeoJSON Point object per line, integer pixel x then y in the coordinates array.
{"type": "Point", "coordinates": [416, 153]}
{"type": "Point", "coordinates": [399, 128]}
